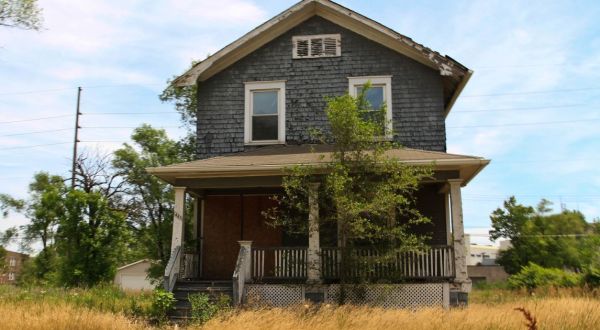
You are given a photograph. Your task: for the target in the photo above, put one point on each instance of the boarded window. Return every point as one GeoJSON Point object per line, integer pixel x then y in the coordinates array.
{"type": "Point", "coordinates": [326, 45]}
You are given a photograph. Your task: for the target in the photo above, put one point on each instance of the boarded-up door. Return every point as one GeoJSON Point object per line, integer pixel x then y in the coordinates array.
{"type": "Point", "coordinates": [228, 219]}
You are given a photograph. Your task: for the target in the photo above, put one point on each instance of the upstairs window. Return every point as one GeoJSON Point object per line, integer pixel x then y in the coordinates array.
{"type": "Point", "coordinates": [12, 262]}
{"type": "Point", "coordinates": [379, 94]}
{"type": "Point", "coordinates": [324, 45]}
{"type": "Point", "coordinates": [265, 112]}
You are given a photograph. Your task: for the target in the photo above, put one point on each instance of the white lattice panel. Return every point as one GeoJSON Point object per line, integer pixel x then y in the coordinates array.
{"type": "Point", "coordinates": [390, 295]}
{"type": "Point", "coordinates": [274, 294]}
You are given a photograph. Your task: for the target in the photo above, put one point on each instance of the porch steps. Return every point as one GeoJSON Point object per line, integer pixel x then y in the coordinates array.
{"type": "Point", "coordinates": [214, 289]}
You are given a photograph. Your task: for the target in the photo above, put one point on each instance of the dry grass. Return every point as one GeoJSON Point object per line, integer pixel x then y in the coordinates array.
{"type": "Point", "coordinates": [551, 313]}
{"type": "Point", "coordinates": [59, 316]}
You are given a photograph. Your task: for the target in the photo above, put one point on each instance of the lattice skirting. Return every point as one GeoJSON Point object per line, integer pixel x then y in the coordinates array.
{"type": "Point", "coordinates": [275, 295]}
{"type": "Point", "coordinates": [391, 295]}
{"type": "Point", "coordinates": [381, 295]}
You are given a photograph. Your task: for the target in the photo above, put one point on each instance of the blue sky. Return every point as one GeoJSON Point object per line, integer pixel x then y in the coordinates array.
{"type": "Point", "coordinates": [532, 105]}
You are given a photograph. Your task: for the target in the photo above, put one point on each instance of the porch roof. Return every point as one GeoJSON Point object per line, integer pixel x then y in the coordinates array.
{"type": "Point", "coordinates": [273, 160]}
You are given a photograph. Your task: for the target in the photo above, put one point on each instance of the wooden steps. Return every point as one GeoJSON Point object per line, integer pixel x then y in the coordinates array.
{"type": "Point", "coordinates": [182, 310]}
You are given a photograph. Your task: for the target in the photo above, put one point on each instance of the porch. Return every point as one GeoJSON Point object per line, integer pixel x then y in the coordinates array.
{"type": "Point", "coordinates": [230, 241]}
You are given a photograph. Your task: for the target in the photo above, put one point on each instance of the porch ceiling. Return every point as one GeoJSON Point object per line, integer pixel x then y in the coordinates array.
{"type": "Point", "coordinates": [272, 161]}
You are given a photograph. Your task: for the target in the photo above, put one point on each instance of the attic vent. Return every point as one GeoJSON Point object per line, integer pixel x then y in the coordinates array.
{"type": "Point", "coordinates": [325, 45]}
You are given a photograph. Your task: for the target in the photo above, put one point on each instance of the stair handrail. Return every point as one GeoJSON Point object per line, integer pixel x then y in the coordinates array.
{"type": "Point", "coordinates": [240, 274]}
{"type": "Point", "coordinates": [172, 269]}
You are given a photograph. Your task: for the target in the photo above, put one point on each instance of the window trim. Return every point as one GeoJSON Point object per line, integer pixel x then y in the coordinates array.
{"type": "Point", "coordinates": [353, 82]}
{"type": "Point", "coordinates": [249, 88]}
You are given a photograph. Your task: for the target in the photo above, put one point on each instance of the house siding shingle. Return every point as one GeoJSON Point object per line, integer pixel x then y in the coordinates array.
{"type": "Point", "coordinates": [417, 101]}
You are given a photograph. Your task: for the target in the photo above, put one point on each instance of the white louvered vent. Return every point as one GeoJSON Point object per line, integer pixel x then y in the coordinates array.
{"type": "Point", "coordinates": [325, 45]}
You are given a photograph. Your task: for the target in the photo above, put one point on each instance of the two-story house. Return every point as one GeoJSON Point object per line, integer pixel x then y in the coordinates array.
{"type": "Point", "coordinates": [258, 98]}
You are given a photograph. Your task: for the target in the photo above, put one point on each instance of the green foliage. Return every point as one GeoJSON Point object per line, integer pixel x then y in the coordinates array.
{"type": "Point", "coordinates": [203, 309]}
{"type": "Point", "coordinates": [23, 14]}
{"type": "Point", "coordinates": [162, 303]}
{"type": "Point", "coordinates": [591, 277]}
{"type": "Point", "coordinates": [534, 276]}
{"type": "Point", "coordinates": [551, 240]}
{"type": "Point", "coordinates": [185, 100]}
{"type": "Point", "coordinates": [8, 203]}
{"type": "Point", "coordinates": [90, 239]}
{"type": "Point", "coordinates": [363, 191]}
{"type": "Point", "coordinates": [151, 211]}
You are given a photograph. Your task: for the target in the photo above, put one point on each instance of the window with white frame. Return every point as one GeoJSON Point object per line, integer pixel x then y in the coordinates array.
{"type": "Point", "coordinates": [265, 112]}
{"type": "Point", "coordinates": [379, 94]}
{"type": "Point", "coordinates": [12, 262]}
{"type": "Point", "coordinates": [11, 276]}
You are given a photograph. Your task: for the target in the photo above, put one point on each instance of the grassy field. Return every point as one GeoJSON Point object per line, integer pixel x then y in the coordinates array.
{"type": "Point", "coordinates": [108, 308]}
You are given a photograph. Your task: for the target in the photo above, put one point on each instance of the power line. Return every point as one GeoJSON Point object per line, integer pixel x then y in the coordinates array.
{"type": "Point", "coordinates": [72, 88]}
{"type": "Point", "coordinates": [37, 132]}
{"type": "Point", "coordinates": [128, 113]}
{"type": "Point", "coordinates": [530, 123]}
{"type": "Point", "coordinates": [35, 146]}
{"type": "Point", "coordinates": [535, 92]}
{"type": "Point", "coordinates": [523, 108]}
{"type": "Point", "coordinates": [34, 119]}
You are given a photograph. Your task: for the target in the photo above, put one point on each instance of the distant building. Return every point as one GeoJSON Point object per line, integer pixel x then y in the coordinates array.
{"type": "Point", "coordinates": [13, 267]}
{"type": "Point", "coordinates": [481, 261]}
{"type": "Point", "coordinates": [134, 276]}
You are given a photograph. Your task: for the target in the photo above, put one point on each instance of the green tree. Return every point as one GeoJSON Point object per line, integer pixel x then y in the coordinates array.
{"type": "Point", "coordinates": [23, 14]}
{"type": "Point", "coordinates": [151, 216]}
{"type": "Point", "coordinates": [366, 196]}
{"type": "Point", "coordinates": [561, 240]}
{"type": "Point", "coordinates": [90, 238]}
{"type": "Point", "coordinates": [185, 100]}
{"type": "Point", "coordinates": [8, 203]}
{"type": "Point", "coordinates": [2, 260]}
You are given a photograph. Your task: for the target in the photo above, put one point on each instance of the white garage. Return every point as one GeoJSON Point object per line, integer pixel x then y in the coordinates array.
{"type": "Point", "coordinates": [134, 276]}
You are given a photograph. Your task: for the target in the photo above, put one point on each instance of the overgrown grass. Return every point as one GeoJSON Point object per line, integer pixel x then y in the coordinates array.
{"type": "Point", "coordinates": [550, 313]}
{"type": "Point", "coordinates": [491, 307]}
{"type": "Point", "coordinates": [500, 294]}
{"type": "Point", "coordinates": [33, 314]}
{"type": "Point", "coordinates": [102, 298]}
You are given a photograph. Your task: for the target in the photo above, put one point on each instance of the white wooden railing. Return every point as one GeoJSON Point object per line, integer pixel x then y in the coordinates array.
{"type": "Point", "coordinates": [279, 263]}
{"type": "Point", "coordinates": [172, 269]}
{"type": "Point", "coordinates": [436, 262]}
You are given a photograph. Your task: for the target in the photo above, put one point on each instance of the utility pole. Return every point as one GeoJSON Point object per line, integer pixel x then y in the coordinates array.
{"type": "Point", "coordinates": [76, 139]}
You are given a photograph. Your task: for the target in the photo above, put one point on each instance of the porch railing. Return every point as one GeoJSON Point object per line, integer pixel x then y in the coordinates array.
{"type": "Point", "coordinates": [279, 263]}
{"type": "Point", "coordinates": [172, 270]}
{"type": "Point", "coordinates": [437, 262]}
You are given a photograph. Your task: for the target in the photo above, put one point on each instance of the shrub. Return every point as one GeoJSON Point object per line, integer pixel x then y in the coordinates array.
{"type": "Point", "coordinates": [203, 309]}
{"type": "Point", "coordinates": [162, 303]}
{"type": "Point", "coordinates": [533, 276]}
{"type": "Point", "coordinates": [592, 277]}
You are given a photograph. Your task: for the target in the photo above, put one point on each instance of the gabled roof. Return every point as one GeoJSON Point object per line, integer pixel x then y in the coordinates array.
{"type": "Point", "coordinates": [133, 264]}
{"type": "Point", "coordinates": [455, 75]}
{"type": "Point", "coordinates": [274, 160]}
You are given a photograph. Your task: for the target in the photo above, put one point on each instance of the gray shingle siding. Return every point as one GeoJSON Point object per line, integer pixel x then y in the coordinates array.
{"type": "Point", "coordinates": [417, 101]}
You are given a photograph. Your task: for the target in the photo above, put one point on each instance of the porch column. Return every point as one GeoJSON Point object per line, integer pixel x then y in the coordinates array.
{"type": "Point", "coordinates": [314, 249]}
{"type": "Point", "coordinates": [462, 283]}
{"type": "Point", "coordinates": [246, 249]}
{"type": "Point", "coordinates": [178, 218]}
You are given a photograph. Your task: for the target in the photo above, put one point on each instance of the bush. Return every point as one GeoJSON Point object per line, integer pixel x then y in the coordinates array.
{"type": "Point", "coordinates": [203, 309]}
{"type": "Point", "coordinates": [534, 276]}
{"type": "Point", "coordinates": [592, 277]}
{"type": "Point", "coordinates": [162, 303]}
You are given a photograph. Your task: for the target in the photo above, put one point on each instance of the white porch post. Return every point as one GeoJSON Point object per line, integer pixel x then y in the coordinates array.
{"type": "Point", "coordinates": [314, 259]}
{"type": "Point", "coordinates": [462, 283]}
{"type": "Point", "coordinates": [178, 218]}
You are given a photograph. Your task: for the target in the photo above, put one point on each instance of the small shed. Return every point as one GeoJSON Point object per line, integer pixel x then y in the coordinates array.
{"type": "Point", "coordinates": [134, 276]}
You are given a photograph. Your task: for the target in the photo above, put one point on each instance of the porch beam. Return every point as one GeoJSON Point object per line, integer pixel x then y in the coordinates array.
{"type": "Point", "coordinates": [462, 283]}
{"type": "Point", "coordinates": [177, 238]}
{"type": "Point", "coordinates": [314, 249]}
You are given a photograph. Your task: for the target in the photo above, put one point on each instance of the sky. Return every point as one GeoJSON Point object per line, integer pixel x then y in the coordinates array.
{"type": "Point", "coordinates": [532, 105]}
